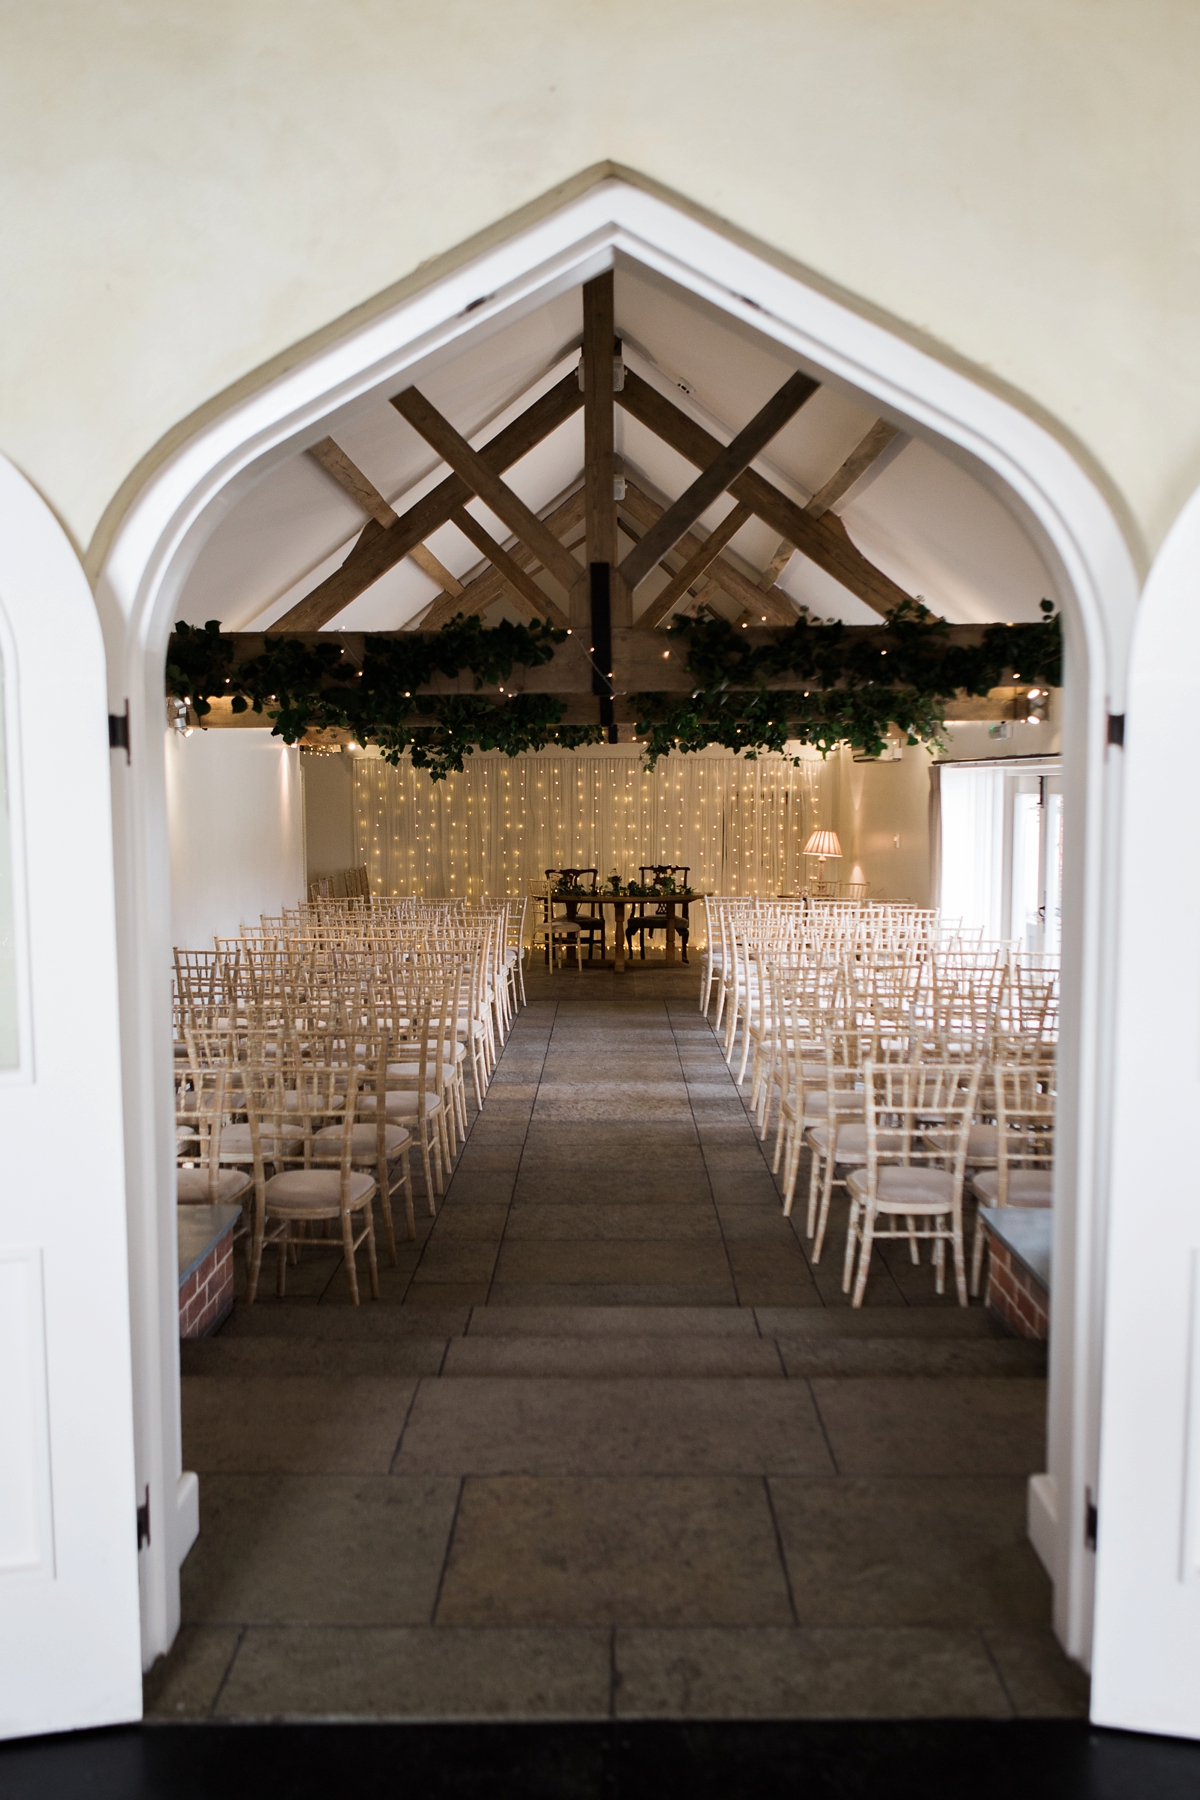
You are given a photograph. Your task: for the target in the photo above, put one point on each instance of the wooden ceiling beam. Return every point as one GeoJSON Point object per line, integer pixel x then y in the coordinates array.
{"type": "Point", "coordinates": [473, 469]}
{"type": "Point", "coordinates": [348, 475]}
{"type": "Point", "coordinates": [694, 567]}
{"type": "Point", "coordinates": [525, 590]}
{"type": "Point", "coordinates": [869, 450]}
{"type": "Point", "coordinates": [717, 475]}
{"type": "Point", "coordinates": [378, 549]}
{"type": "Point", "coordinates": [599, 420]}
{"type": "Point", "coordinates": [484, 585]}
{"type": "Point", "coordinates": [777, 607]}
{"type": "Point", "coordinates": [818, 539]}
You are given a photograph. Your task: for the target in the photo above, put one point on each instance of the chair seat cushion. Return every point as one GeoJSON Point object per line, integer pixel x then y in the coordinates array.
{"type": "Point", "coordinates": [192, 1187]}
{"type": "Point", "coordinates": [983, 1143]}
{"type": "Point", "coordinates": [364, 1139]}
{"type": "Point", "coordinates": [402, 1101]}
{"type": "Point", "coordinates": [851, 1141]}
{"type": "Point", "coordinates": [319, 1189]}
{"type": "Point", "coordinates": [236, 1145]}
{"type": "Point", "coordinates": [914, 1189]}
{"type": "Point", "coordinates": [1026, 1187]}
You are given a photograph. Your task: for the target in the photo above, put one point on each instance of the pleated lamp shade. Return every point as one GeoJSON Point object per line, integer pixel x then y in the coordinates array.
{"type": "Point", "coordinates": [823, 843]}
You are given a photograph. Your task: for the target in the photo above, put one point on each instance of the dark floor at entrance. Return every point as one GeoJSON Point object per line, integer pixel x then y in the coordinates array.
{"type": "Point", "coordinates": [610, 1447]}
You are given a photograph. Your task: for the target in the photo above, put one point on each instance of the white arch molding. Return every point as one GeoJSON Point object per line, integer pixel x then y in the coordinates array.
{"type": "Point", "coordinates": [161, 533]}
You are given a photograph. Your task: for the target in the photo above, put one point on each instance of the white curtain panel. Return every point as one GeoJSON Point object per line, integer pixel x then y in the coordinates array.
{"type": "Point", "coordinates": [740, 826]}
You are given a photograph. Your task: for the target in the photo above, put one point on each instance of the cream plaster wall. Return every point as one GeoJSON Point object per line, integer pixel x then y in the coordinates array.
{"type": "Point", "coordinates": [328, 783]}
{"type": "Point", "coordinates": [191, 190]}
{"type": "Point", "coordinates": [236, 826]}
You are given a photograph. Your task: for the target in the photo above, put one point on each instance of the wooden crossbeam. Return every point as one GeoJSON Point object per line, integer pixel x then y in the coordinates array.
{"type": "Point", "coordinates": [379, 550]}
{"type": "Point", "coordinates": [818, 539]}
{"type": "Point", "coordinates": [524, 587]}
{"type": "Point", "coordinates": [485, 585]}
{"type": "Point", "coordinates": [348, 475]}
{"type": "Point", "coordinates": [777, 607]}
{"type": "Point", "coordinates": [869, 450]}
{"type": "Point", "coordinates": [482, 480]}
{"type": "Point", "coordinates": [717, 475]}
{"type": "Point", "coordinates": [694, 567]}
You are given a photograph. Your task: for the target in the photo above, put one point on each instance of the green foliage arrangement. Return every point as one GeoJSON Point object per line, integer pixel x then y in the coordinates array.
{"type": "Point", "coordinates": [856, 690]}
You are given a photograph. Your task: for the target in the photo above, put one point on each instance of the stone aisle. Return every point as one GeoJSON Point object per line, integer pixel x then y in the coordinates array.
{"type": "Point", "coordinates": [610, 1446]}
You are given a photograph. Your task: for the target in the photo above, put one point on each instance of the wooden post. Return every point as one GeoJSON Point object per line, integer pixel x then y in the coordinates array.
{"type": "Point", "coordinates": [600, 350]}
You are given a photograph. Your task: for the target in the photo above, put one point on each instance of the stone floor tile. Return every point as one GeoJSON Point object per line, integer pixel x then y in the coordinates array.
{"type": "Point", "coordinates": [184, 1683]}
{"type": "Point", "coordinates": [548, 1183]}
{"type": "Point", "coordinates": [750, 1186]}
{"type": "Point", "coordinates": [756, 1292]}
{"type": "Point", "coordinates": [353, 1324]}
{"type": "Point", "coordinates": [437, 1295]}
{"type": "Point", "coordinates": [779, 1260]}
{"type": "Point", "coordinates": [878, 1321]}
{"type": "Point", "coordinates": [606, 1358]}
{"type": "Point", "coordinates": [924, 1550]}
{"type": "Point", "coordinates": [490, 1157]}
{"type": "Point", "coordinates": [470, 1188]}
{"type": "Point", "coordinates": [471, 1222]}
{"type": "Point", "coordinates": [755, 1222]}
{"type": "Point", "coordinates": [406, 1673]}
{"type": "Point", "coordinates": [619, 1294]}
{"type": "Point", "coordinates": [913, 1356]}
{"type": "Point", "coordinates": [330, 1550]}
{"type": "Point", "coordinates": [600, 1260]}
{"type": "Point", "coordinates": [292, 1424]}
{"type": "Point", "coordinates": [579, 1102]}
{"type": "Point", "coordinates": [641, 1549]}
{"type": "Point", "coordinates": [1042, 1681]}
{"type": "Point", "coordinates": [292, 1355]}
{"type": "Point", "coordinates": [806, 1674]}
{"type": "Point", "coordinates": [455, 1259]}
{"type": "Point", "coordinates": [393, 1282]}
{"type": "Point", "coordinates": [607, 1321]}
{"type": "Point", "coordinates": [945, 1426]}
{"type": "Point", "coordinates": [494, 1426]}
{"type": "Point", "coordinates": [546, 1223]}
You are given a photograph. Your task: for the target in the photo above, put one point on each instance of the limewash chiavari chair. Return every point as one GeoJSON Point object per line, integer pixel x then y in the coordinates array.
{"type": "Point", "coordinates": [904, 1190]}
{"type": "Point", "coordinates": [202, 1102]}
{"type": "Point", "coordinates": [1022, 1171]}
{"type": "Point", "coordinates": [315, 1182]}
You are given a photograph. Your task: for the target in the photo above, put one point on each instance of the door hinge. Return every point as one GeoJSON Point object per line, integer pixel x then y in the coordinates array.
{"type": "Point", "coordinates": [1116, 729]}
{"type": "Point", "coordinates": [118, 731]}
{"type": "Point", "coordinates": [1091, 1520]}
{"type": "Point", "coordinates": [143, 1522]}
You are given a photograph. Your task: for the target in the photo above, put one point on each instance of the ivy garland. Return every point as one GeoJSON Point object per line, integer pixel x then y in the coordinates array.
{"type": "Point", "coordinates": [858, 687]}
{"type": "Point", "coordinates": [856, 690]}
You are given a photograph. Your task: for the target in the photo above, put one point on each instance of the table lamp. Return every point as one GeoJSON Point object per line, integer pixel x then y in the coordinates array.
{"type": "Point", "coordinates": [822, 844]}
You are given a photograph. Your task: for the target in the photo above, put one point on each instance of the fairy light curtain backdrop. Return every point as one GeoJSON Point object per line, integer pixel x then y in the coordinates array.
{"type": "Point", "coordinates": [740, 826]}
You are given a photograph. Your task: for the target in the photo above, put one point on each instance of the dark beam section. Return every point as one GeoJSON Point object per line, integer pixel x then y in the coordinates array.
{"type": "Point", "coordinates": [482, 480]}
{"type": "Point", "coordinates": [378, 550]}
{"type": "Point", "coordinates": [823, 541]}
{"type": "Point", "coordinates": [775, 605]}
{"type": "Point", "coordinates": [718, 474]}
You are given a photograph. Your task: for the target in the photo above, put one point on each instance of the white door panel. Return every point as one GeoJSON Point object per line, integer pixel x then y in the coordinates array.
{"type": "Point", "coordinates": [1146, 1655]}
{"type": "Point", "coordinates": [69, 1628]}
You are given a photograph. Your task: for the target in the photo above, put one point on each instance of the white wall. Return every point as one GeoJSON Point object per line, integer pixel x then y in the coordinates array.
{"type": "Point", "coordinates": [328, 783]}
{"type": "Point", "coordinates": [237, 831]}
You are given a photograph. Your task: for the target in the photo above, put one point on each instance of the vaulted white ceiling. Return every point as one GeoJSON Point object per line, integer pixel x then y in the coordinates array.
{"type": "Point", "coordinates": [916, 513]}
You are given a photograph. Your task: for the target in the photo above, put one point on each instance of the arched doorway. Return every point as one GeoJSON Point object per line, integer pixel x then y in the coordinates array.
{"type": "Point", "coordinates": [1077, 535]}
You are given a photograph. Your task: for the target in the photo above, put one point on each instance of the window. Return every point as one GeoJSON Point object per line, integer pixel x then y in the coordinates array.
{"type": "Point", "coordinates": [1001, 851]}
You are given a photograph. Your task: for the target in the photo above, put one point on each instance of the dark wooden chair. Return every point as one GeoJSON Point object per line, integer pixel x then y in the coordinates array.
{"type": "Point", "coordinates": [657, 920]}
{"type": "Point", "coordinates": [581, 924]}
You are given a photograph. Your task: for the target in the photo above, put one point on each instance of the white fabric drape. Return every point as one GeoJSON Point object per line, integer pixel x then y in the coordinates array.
{"type": "Point", "coordinates": [739, 825]}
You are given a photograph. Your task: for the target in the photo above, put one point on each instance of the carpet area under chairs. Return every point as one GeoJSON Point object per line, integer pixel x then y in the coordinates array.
{"type": "Point", "coordinates": [609, 1447]}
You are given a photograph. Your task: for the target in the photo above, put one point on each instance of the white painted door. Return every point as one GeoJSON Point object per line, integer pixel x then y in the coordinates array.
{"type": "Point", "coordinates": [1146, 1646]}
{"type": "Point", "coordinates": [69, 1630]}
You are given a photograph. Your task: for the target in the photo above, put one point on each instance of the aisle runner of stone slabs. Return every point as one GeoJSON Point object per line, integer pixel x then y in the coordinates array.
{"type": "Point", "coordinates": [609, 1446]}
